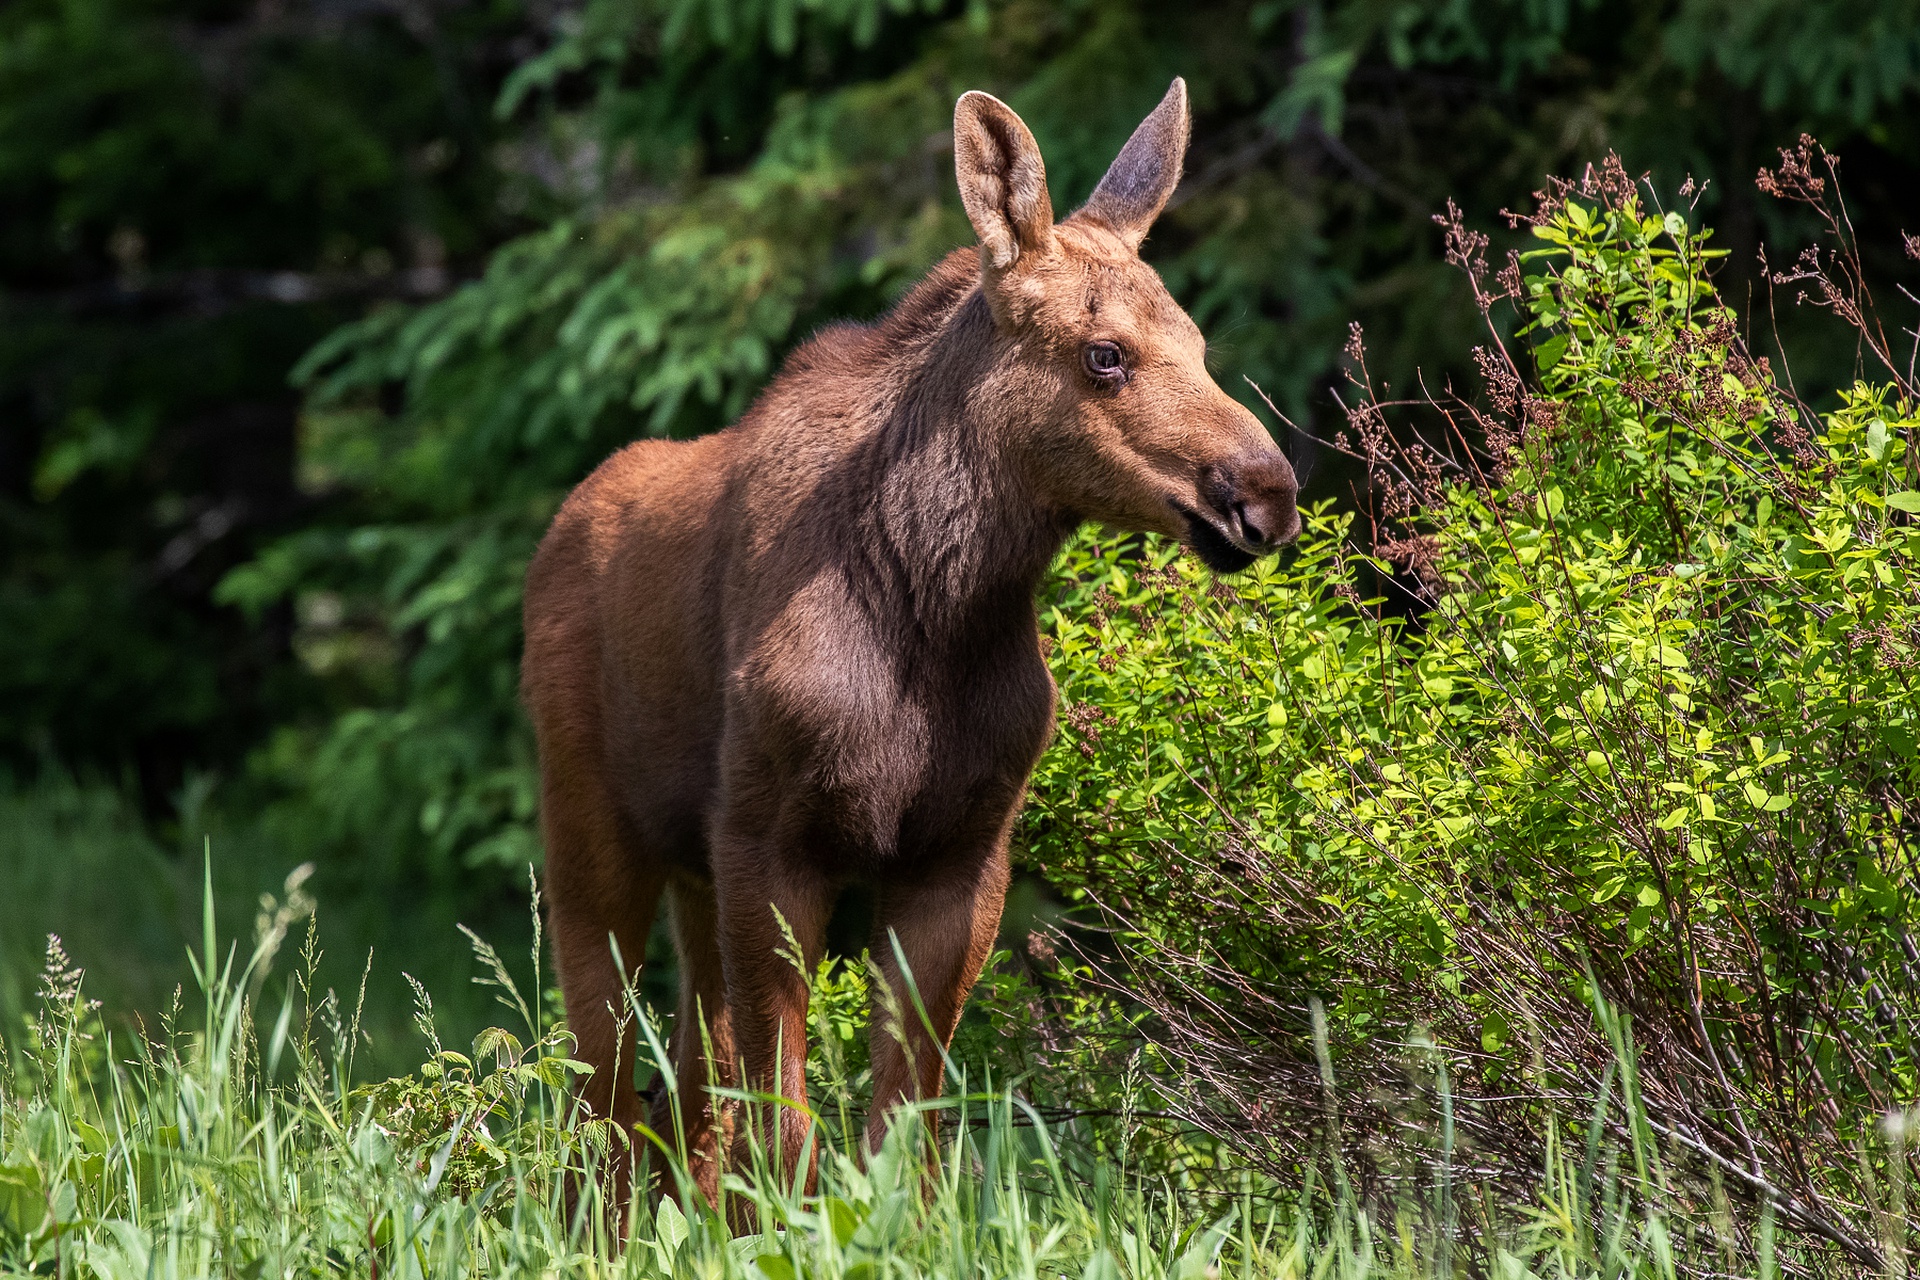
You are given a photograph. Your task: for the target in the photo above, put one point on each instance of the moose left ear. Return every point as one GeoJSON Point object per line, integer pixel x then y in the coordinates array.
{"type": "Point", "coordinates": [1145, 172]}
{"type": "Point", "coordinates": [1003, 182]}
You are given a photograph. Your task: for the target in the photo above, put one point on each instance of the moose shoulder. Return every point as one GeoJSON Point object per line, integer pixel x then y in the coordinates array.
{"type": "Point", "coordinates": [803, 651]}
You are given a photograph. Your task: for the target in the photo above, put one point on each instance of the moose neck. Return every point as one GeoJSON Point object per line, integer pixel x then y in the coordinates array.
{"type": "Point", "coordinates": [961, 535]}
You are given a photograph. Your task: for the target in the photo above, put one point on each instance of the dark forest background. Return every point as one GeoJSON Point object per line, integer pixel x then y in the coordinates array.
{"type": "Point", "coordinates": [311, 311]}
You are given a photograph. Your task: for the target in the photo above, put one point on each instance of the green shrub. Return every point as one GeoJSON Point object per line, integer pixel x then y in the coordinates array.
{"type": "Point", "coordinates": [1655, 728]}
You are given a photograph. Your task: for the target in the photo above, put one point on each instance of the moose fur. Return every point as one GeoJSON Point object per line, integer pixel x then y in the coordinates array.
{"type": "Point", "coordinates": [802, 652]}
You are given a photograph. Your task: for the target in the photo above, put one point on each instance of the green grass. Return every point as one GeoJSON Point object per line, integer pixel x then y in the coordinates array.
{"type": "Point", "coordinates": [233, 1141]}
{"type": "Point", "coordinates": [78, 859]}
{"type": "Point", "coordinates": [75, 860]}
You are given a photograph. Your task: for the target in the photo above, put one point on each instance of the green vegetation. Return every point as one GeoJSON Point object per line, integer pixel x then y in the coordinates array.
{"type": "Point", "coordinates": [192, 194]}
{"type": "Point", "coordinates": [712, 228]}
{"type": "Point", "coordinates": [1551, 930]}
{"type": "Point", "coordinates": [242, 1148]}
{"type": "Point", "coordinates": [643, 204]}
{"type": "Point", "coordinates": [76, 861]}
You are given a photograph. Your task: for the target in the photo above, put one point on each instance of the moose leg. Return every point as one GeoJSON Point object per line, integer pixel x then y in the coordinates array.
{"type": "Point", "coordinates": [702, 1045]}
{"type": "Point", "coordinates": [945, 928]}
{"type": "Point", "coordinates": [600, 893]}
{"type": "Point", "coordinates": [767, 999]}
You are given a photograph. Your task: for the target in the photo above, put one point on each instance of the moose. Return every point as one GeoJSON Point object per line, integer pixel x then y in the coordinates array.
{"type": "Point", "coordinates": [802, 653]}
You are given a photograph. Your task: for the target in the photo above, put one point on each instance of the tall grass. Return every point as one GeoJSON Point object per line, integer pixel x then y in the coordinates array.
{"type": "Point", "coordinates": [77, 859]}
{"type": "Point", "coordinates": [231, 1139]}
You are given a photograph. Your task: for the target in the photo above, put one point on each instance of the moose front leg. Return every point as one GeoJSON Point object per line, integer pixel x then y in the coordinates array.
{"type": "Point", "coordinates": [767, 997]}
{"type": "Point", "coordinates": [945, 927]}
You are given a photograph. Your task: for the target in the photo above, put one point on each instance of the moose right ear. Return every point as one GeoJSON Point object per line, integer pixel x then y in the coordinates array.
{"type": "Point", "coordinates": [1146, 171]}
{"type": "Point", "coordinates": [1003, 182]}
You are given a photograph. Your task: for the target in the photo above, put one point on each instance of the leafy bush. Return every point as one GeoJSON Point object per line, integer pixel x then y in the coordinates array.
{"type": "Point", "coordinates": [1655, 730]}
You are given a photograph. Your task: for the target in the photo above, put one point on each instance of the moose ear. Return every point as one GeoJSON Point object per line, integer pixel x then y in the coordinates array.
{"type": "Point", "coordinates": [1145, 172]}
{"type": "Point", "coordinates": [1003, 182]}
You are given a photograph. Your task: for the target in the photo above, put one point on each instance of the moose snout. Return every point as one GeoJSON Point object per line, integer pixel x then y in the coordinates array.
{"type": "Point", "coordinates": [1255, 499]}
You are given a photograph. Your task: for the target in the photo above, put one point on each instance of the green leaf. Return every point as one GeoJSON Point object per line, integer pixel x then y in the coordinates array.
{"type": "Point", "coordinates": [1905, 500]}
{"type": "Point", "coordinates": [669, 1226]}
{"type": "Point", "coordinates": [1549, 353]}
{"type": "Point", "coordinates": [843, 1220]}
{"type": "Point", "coordinates": [1877, 440]}
{"type": "Point", "coordinates": [494, 1039]}
{"type": "Point", "coordinates": [23, 1204]}
{"type": "Point", "coordinates": [1879, 890]}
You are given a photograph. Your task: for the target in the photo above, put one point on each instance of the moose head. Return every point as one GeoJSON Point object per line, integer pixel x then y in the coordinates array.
{"type": "Point", "coordinates": [1126, 425]}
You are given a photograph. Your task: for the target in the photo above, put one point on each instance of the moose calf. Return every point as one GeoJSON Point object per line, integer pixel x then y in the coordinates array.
{"type": "Point", "coordinates": [803, 652]}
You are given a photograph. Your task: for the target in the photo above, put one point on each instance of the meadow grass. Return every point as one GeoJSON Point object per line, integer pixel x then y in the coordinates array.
{"type": "Point", "coordinates": [232, 1140]}
{"type": "Point", "coordinates": [78, 858]}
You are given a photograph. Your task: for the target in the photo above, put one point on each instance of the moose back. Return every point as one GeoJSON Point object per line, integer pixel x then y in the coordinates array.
{"type": "Point", "coordinates": [803, 652]}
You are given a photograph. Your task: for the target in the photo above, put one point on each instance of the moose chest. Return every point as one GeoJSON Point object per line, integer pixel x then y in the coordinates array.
{"type": "Point", "coordinates": [862, 743]}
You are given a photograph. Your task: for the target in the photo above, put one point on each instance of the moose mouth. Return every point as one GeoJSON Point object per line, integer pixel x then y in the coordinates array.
{"type": "Point", "coordinates": [1219, 550]}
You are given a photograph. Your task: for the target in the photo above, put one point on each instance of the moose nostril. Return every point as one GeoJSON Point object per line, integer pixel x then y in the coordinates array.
{"type": "Point", "coordinates": [1248, 529]}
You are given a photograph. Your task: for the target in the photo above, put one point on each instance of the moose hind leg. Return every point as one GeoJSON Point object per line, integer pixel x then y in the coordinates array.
{"type": "Point", "coordinates": [602, 892]}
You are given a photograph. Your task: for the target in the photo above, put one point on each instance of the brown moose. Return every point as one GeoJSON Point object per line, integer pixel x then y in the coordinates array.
{"type": "Point", "coordinates": [803, 652]}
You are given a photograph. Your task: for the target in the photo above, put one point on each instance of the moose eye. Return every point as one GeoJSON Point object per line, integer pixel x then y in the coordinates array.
{"type": "Point", "coordinates": [1105, 362]}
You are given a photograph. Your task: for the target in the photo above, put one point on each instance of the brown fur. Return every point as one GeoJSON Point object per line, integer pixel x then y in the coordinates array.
{"type": "Point", "coordinates": [802, 652]}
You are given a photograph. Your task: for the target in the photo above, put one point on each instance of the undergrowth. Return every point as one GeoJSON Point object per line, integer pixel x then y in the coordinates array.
{"type": "Point", "coordinates": [233, 1139]}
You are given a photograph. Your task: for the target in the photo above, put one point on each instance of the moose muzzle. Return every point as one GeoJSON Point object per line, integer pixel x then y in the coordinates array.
{"type": "Point", "coordinates": [1253, 500]}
